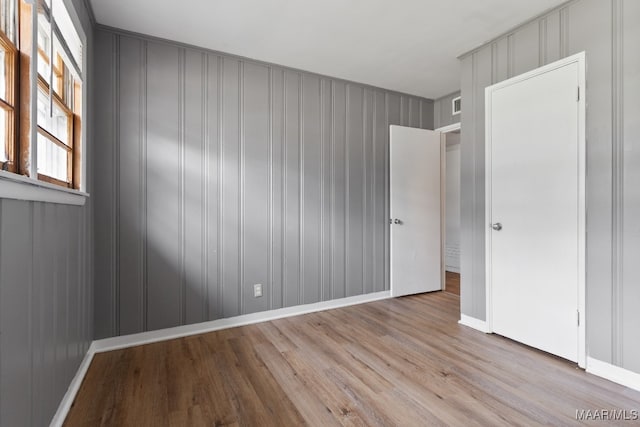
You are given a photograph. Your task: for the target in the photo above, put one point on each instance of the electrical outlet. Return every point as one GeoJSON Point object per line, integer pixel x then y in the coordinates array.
{"type": "Point", "coordinates": [257, 290]}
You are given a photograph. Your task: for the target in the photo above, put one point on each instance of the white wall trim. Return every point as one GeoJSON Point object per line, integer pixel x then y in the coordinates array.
{"type": "Point", "coordinates": [613, 373]}
{"type": "Point", "coordinates": [20, 187]}
{"type": "Point", "coordinates": [72, 391]}
{"type": "Point", "coordinates": [580, 59]}
{"type": "Point", "coordinates": [449, 128]}
{"type": "Point", "coordinates": [452, 269]}
{"type": "Point", "coordinates": [474, 323]}
{"type": "Point", "coordinates": [132, 340]}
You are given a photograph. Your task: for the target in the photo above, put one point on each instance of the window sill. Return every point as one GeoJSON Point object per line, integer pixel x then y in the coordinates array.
{"type": "Point", "coordinates": [20, 187]}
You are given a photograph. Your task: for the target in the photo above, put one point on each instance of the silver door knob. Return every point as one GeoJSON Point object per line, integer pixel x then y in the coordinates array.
{"type": "Point", "coordinates": [397, 221]}
{"type": "Point", "coordinates": [497, 226]}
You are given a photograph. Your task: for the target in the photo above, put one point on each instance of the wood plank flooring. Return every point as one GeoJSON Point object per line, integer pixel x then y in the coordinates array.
{"type": "Point", "coordinates": [397, 362]}
{"type": "Point", "coordinates": [452, 283]}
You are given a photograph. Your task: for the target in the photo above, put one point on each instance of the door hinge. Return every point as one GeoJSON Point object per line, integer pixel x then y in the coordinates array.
{"type": "Point", "coordinates": [578, 313]}
{"type": "Point", "coordinates": [578, 94]}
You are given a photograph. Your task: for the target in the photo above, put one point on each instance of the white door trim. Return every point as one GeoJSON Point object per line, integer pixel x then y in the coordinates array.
{"type": "Point", "coordinates": [449, 128]}
{"type": "Point", "coordinates": [445, 130]}
{"type": "Point", "coordinates": [581, 61]}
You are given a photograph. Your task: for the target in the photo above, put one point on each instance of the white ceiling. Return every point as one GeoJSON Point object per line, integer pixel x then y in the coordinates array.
{"type": "Point", "coordinates": [404, 45]}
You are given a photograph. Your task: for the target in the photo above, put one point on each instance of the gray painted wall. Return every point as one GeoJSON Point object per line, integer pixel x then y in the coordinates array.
{"type": "Point", "coordinates": [46, 299]}
{"type": "Point", "coordinates": [609, 33]}
{"type": "Point", "coordinates": [217, 172]}
{"type": "Point", "coordinates": [442, 111]}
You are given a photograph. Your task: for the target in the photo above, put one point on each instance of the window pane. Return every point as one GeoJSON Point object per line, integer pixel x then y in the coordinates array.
{"type": "Point", "coordinates": [7, 21]}
{"type": "Point", "coordinates": [52, 159]}
{"type": "Point", "coordinates": [3, 136]}
{"type": "Point", "coordinates": [44, 47]}
{"type": "Point", "coordinates": [58, 124]}
{"type": "Point", "coordinates": [68, 30]}
{"type": "Point", "coordinates": [3, 74]}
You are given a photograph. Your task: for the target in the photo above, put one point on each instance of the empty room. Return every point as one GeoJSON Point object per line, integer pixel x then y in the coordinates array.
{"type": "Point", "coordinates": [287, 213]}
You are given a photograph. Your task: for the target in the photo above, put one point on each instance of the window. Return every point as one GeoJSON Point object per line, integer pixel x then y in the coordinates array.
{"type": "Point", "coordinates": [8, 73]}
{"type": "Point", "coordinates": [43, 135]}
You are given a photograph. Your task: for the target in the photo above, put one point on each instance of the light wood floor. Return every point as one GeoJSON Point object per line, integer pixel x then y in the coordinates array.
{"type": "Point", "coordinates": [403, 362]}
{"type": "Point", "coordinates": [452, 283]}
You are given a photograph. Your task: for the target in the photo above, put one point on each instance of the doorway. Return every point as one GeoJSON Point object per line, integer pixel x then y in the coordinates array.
{"type": "Point", "coordinates": [535, 201]}
{"type": "Point", "coordinates": [452, 231]}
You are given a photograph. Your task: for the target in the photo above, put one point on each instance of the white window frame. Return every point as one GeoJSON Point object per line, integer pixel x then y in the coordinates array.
{"type": "Point", "coordinates": [30, 188]}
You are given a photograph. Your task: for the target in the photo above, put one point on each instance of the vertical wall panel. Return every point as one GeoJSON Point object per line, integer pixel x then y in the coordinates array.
{"type": "Point", "coordinates": [15, 309]}
{"type": "Point", "coordinates": [292, 169]}
{"type": "Point", "coordinates": [164, 186]}
{"type": "Point", "coordinates": [106, 169]}
{"type": "Point", "coordinates": [50, 268]}
{"type": "Point", "coordinates": [311, 175]}
{"type": "Point", "coordinates": [552, 37]}
{"type": "Point", "coordinates": [73, 290]}
{"type": "Point", "coordinates": [60, 297]}
{"type": "Point", "coordinates": [526, 48]}
{"type": "Point", "coordinates": [230, 188]}
{"type": "Point", "coordinates": [277, 186]}
{"type": "Point", "coordinates": [428, 111]}
{"type": "Point", "coordinates": [405, 111]}
{"type": "Point", "coordinates": [589, 25]}
{"type": "Point", "coordinates": [367, 186]}
{"type": "Point", "coordinates": [414, 112]}
{"type": "Point", "coordinates": [130, 232]}
{"type": "Point", "coordinates": [326, 200]}
{"type": "Point", "coordinates": [213, 183]}
{"type": "Point", "coordinates": [195, 163]}
{"type": "Point", "coordinates": [40, 374]}
{"type": "Point", "coordinates": [380, 216]}
{"type": "Point", "coordinates": [629, 103]}
{"type": "Point", "coordinates": [226, 173]}
{"type": "Point", "coordinates": [256, 187]}
{"type": "Point", "coordinates": [355, 186]}
{"type": "Point", "coordinates": [444, 116]}
{"type": "Point", "coordinates": [339, 185]}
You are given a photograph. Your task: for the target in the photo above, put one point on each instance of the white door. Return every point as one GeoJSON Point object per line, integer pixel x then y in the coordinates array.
{"type": "Point", "coordinates": [416, 211]}
{"type": "Point", "coordinates": [535, 208]}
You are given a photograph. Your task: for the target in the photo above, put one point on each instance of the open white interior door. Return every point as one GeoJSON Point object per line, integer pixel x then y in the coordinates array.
{"type": "Point", "coordinates": [416, 211]}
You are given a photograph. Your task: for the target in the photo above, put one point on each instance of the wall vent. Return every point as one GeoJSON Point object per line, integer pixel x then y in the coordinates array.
{"type": "Point", "coordinates": [456, 106]}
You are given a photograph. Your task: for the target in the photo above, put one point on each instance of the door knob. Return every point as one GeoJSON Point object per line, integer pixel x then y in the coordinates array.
{"type": "Point", "coordinates": [395, 221]}
{"type": "Point", "coordinates": [497, 226]}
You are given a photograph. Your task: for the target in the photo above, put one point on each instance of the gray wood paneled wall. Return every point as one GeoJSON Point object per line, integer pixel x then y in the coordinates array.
{"type": "Point", "coordinates": [217, 173]}
{"type": "Point", "coordinates": [609, 33]}
{"type": "Point", "coordinates": [46, 296]}
{"type": "Point", "coordinates": [442, 111]}
{"type": "Point", "coordinates": [45, 306]}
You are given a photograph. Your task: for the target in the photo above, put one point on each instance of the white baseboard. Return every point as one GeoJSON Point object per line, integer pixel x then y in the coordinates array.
{"type": "Point", "coordinates": [125, 341]}
{"type": "Point", "coordinates": [452, 269]}
{"type": "Point", "coordinates": [474, 323]}
{"type": "Point", "coordinates": [70, 395]}
{"type": "Point", "coordinates": [132, 340]}
{"type": "Point", "coordinates": [613, 373]}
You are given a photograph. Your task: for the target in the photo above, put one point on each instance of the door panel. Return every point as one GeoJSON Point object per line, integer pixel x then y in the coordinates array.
{"type": "Point", "coordinates": [416, 204]}
{"type": "Point", "coordinates": [535, 197]}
